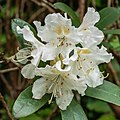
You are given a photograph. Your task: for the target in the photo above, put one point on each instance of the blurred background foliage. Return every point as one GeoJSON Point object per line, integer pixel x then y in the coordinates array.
{"type": "Point", "coordinates": [11, 81]}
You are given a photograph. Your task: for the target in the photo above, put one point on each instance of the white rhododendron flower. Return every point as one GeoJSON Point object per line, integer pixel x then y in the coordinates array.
{"type": "Point", "coordinates": [37, 51]}
{"type": "Point", "coordinates": [59, 82]}
{"type": "Point", "coordinates": [68, 66]}
{"type": "Point", "coordinates": [89, 34]}
{"type": "Point", "coordinates": [58, 33]}
{"type": "Point", "coordinates": [37, 46]}
{"type": "Point", "coordinates": [86, 64]}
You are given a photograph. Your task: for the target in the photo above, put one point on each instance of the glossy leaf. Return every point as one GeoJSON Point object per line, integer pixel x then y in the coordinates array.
{"type": "Point", "coordinates": [21, 24]}
{"type": "Point", "coordinates": [26, 105]}
{"type": "Point", "coordinates": [112, 31]}
{"type": "Point", "coordinates": [63, 7]}
{"type": "Point", "coordinates": [73, 112]}
{"type": "Point", "coordinates": [108, 92]}
{"type": "Point", "coordinates": [108, 16]}
{"type": "Point", "coordinates": [109, 116]}
{"type": "Point", "coordinates": [103, 106]}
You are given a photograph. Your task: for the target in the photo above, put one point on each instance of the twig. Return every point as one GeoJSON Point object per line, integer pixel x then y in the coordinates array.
{"type": "Point", "coordinates": [17, 8]}
{"type": "Point", "coordinates": [94, 3]}
{"type": "Point", "coordinates": [110, 66]}
{"type": "Point", "coordinates": [117, 3]}
{"type": "Point", "coordinates": [116, 110]}
{"type": "Point", "coordinates": [50, 4]}
{"type": "Point", "coordinates": [9, 88]}
{"type": "Point", "coordinates": [6, 107]}
{"type": "Point", "coordinates": [45, 4]}
{"type": "Point", "coordinates": [22, 8]}
{"type": "Point", "coordinates": [36, 2]}
{"type": "Point", "coordinates": [36, 14]}
{"type": "Point", "coordinates": [82, 8]}
{"type": "Point", "coordinates": [53, 114]}
{"type": "Point", "coordinates": [9, 70]}
{"type": "Point", "coordinates": [117, 55]}
{"type": "Point", "coordinates": [7, 22]}
{"type": "Point", "coordinates": [8, 60]}
{"type": "Point", "coordinates": [109, 3]}
{"type": "Point", "coordinates": [20, 83]}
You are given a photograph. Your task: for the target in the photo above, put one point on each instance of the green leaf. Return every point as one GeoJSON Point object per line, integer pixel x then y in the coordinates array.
{"type": "Point", "coordinates": [108, 92]}
{"type": "Point", "coordinates": [26, 105]}
{"type": "Point", "coordinates": [21, 23]}
{"type": "Point", "coordinates": [108, 16]}
{"type": "Point", "coordinates": [115, 43]}
{"type": "Point", "coordinates": [32, 117]}
{"type": "Point", "coordinates": [103, 106]}
{"type": "Point", "coordinates": [112, 31]}
{"type": "Point", "coordinates": [109, 116]}
{"type": "Point", "coordinates": [73, 112]}
{"type": "Point", "coordinates": [63, 7]}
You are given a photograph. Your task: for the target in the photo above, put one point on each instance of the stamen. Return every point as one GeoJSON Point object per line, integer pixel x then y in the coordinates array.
{"type": "Point", "coordinates": [54, 81]}
{"type": "Point", "coordinates": [80, 65]}
{"type": "Point", "coordinates": [54, 90]}
{"type": "Point", "coordinates": [65, 14]}
{"type": "Point", "coordinates": [103, 72]}
{"type": "Point", "coordinates": [50, 99]}
{"type": "Point", "coordinates": [106, 75]}
{"type": "Point", "coordinates": [88, 71]}
{"type": "Point", "coordinates": [60, 91]}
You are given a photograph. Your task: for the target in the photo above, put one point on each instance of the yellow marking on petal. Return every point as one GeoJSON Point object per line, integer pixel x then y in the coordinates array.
{"type": "Point", "coordinates": [84, 51]}
{"type": "Point", "coordinates": [54, 71]}
{"type": "Point", "coordinates": [61, 57]}
{"type": "Point", "coordinates": [66, 30]}
{"type": "Point", "coordinates": [58, 30]}
{"type": "Point", "coordinates": [52, 62]}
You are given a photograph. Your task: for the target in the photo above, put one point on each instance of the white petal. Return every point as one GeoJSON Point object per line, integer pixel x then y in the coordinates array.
{"type": "Point", "coordinates": [65, 51]}
{"type": "Point", "coordinates": [57, 18]}
{"type": "Point", "coordinates": [68, 59]}
{"type": "Point", "coordinates": [28, 71]}
{"type": "Point", "coordinates": [91, 37]}
{"type": "Point", "coordinates": [38, 25]}
{"type": "Point", "coordinates": [37, 46]}
{"type": "Point", "coordinates": [80, 86]}
{"type": "Point", "coordinates": [90, 18]}
{"type": "Point", "coordinates": [65, 99]}
{"type": "Point", "coordinates": [72, 82]}
{"type": "Point", "coordinates": [39, 88]}
{"type": "Point", "coordinates": [94, 78]}
{"type": "Point", "coordinates": [47, 35]}
{"type": "Point", "coordinates": [100, 55]}
{"type": "Point", "coordinates": [28, 35]}
{"type": "Point", "coordinates": [49, 53]}
{"type": "Point", "coordinates": [88, 71]}
{"type": "Point", "coordinates": [53, 21]}
{"type": "Point", "coordinates": [44, 71]}
{"type": "Point", "coordinates": [36, 54]}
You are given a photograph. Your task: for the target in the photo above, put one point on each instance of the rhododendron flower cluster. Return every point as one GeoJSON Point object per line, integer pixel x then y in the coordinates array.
{"type": "Point", "coordinates": [71, 54]}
